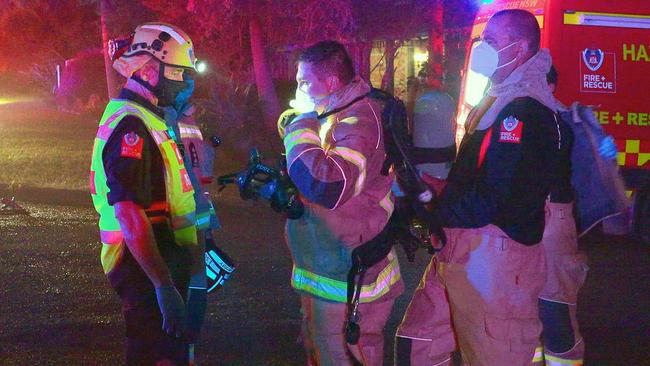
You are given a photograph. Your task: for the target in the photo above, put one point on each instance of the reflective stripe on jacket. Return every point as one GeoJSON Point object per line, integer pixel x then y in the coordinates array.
{"type": "Point", "coordinates": [336, 164]}
{"type": "Point", "coordinates": [180, 204]}
{"type": "Point", "coordinates": [187, 134]}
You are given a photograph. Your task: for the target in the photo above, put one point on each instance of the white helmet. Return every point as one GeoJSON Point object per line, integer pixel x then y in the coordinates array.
{"type": "Point", "coordinates": [165, 42]}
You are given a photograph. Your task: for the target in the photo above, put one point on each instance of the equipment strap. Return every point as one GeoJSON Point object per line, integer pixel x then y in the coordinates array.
{"type": "Point", "coordinates": [363, 257]}
{"type": "Point", "coordinates": [430, 155]}
{"type": "Point", "coordinates": [339, 109]}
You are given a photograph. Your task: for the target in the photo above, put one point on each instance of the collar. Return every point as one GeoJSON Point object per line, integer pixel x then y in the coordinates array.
{"type": "Point", "coordinates": [347, 93]}
{"type": "Point", "coordinates": [139, 99]}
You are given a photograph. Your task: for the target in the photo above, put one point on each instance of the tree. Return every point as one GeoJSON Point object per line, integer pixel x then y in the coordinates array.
{"type": "Point", "coordinates": [36, 35]}
{"type": "Point", "coordinates": [117, 19]}
{"type": "Point", "coordinates": [436, 46]}
{"type": "Point", "coordinates": [393, 23]}
{"type": "Point", "coordinates": [237, 40]}
{"type": "Point", "coordinates": [111, 75]}
{"type": "Point", "coordinates": [222, 33]}
{"type": "Point", "coordinates": [263, 79]}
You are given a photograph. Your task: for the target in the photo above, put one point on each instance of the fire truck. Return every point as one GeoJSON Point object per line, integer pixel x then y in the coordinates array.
{"type": "Point", "coordinates": [601, 50]}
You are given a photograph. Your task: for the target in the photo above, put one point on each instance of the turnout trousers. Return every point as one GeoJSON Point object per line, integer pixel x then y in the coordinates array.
{"type": "Point", "coordinates": [323, 336]}
{"type": "Point", "coordinates": [483, 287]}
{"type": "Point", "coordinates": [566, 272]}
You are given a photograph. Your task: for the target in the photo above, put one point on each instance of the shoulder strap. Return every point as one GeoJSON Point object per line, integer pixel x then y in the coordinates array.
{"type": "Point", "coordinates": [339, 109]}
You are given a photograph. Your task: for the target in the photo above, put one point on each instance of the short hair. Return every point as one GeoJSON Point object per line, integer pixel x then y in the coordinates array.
{"type": "Point", "coordinates": [329, 58]}
{"type": "Point", "coordinates": [522, 25]}
{"type": "Point", "coordinates": [551, 77]}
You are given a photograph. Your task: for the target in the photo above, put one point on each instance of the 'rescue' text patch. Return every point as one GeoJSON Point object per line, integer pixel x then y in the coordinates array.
{"type": "Point", "coordinates": [511, 130]}
{"type": "Point", "coordinates": [131, 146]}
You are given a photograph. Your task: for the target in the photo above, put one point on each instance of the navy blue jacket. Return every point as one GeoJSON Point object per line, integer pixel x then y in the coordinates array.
{"type": "Point", "coordinates": [504, 174]}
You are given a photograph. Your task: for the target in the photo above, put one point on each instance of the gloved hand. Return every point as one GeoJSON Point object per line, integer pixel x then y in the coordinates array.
{"type": "Point", "coordinates": [290, 116]}
{"type": "Point", "coordinates": [607, 148]}
{"type": "Point", "coordinates": [303, 106]}
{"type": "Point", "coordinates": [172, 309]}
{"type": "Point", "coordinates": [197, 303]}
{"type": "Point", "coordinates": [285, 119]}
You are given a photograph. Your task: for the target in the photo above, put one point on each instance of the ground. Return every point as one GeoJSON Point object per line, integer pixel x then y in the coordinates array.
{"type": "Point", "coordinates": [57, 309]}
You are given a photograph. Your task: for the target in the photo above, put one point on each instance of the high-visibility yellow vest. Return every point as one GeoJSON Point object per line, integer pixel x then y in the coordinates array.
{"type": "Point", "coordinates": [180, 205]}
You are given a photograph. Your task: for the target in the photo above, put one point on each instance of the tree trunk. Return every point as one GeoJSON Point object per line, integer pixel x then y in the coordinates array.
{"type": "Point", "coordinates": [263, 79]}
{"type": "Point", "coordinates": [355, 50]}
{"type": "Point", "coordinates": [366, 50]}
{"type": "Point", "coordinates": [388, 80]}
{"type": "Point", "coordinates": [112, 79]}
{"type": "Point", "coordinates": [436, 46]}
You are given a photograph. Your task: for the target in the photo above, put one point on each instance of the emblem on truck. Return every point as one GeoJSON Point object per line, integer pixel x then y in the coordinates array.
{"type": "Point", "coordinates": [593, 58]}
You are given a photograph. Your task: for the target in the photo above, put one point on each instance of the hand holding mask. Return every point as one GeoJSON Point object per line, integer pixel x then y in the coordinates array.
{"type": "Point", "coordinates": [303, 103]}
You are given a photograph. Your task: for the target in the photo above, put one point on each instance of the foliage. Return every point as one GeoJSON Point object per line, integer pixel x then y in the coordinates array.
{"type": "Point", "coordinates": [33, 32]}
{"type": "Point", "coordinates": [234, 113]}
{"type": "Point", "coordinates": [58, 30]}
{"type": "Point", "coordinates": [391, 20]}
{"type": "Point", "coordinates": [220, 29]}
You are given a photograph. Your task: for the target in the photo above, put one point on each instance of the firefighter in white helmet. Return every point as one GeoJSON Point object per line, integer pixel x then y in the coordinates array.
{"type": "Point", "coordinates": [142, 192]}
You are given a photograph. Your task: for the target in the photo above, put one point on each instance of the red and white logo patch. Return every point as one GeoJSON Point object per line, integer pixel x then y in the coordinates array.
{"type": "Point", "coordinates": [511, 130]}
{"type": "Point", "coordinates": [185, 181]}
{"type": "Point", "coordinates": [131, 146]}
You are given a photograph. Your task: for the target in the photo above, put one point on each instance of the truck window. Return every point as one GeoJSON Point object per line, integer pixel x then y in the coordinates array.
{"type": "Point", "coordinates": [473, 90]}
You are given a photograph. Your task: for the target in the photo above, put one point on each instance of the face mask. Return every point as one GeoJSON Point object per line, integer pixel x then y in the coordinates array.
{"type": "Point", "coordinates": [167, 91]}
{"type": "Point", "coordinates": [181, 102]}
{"type": "Point", "coordinates": [303, 102]}
{"type": "Point", "coordinates": [484, 59]}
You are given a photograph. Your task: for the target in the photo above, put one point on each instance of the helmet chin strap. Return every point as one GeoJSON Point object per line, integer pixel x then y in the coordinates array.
{"type": "Point", "coordinates": [155, 90]}
{"type": "Point", "coordinates": [144, 83]}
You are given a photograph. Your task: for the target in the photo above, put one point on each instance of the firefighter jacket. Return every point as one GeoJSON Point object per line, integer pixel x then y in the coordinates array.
{"type": "Point", "coordinates": [335, 163]}
{"type": "Point", "coordinates": [178, 209]}
{"type": "Point", "coordinates": [504, 173]}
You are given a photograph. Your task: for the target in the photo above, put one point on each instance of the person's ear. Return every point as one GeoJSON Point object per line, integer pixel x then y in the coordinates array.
{"type": "Point", "coordinates": [143, 72]}
{"type": "Point", "coordinates": [149, 73]}
{"type": "Point", "coordinates": [524, 49]}
{"type": "Point", "coordinates": [333, 83]}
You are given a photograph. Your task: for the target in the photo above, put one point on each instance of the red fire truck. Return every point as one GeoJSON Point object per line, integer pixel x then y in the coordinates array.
{"type": "Point", "coordinates": [601, 50]}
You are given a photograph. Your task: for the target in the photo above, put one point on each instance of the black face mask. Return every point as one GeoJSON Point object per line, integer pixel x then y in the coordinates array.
{"type": "Point", "coordinates": [167, 90]}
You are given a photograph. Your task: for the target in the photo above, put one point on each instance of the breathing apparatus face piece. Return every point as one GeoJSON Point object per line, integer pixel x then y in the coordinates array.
{"type": "Point", "coordinates": [168, 90]}
{"type": "Point", "coordinates": [484, 58]}
{"type": "Point", "coordinates": [303, 103]}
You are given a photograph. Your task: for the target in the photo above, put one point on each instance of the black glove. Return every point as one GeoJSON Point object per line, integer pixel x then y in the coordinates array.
{"type": "Point", "coordinates": [172, 309]}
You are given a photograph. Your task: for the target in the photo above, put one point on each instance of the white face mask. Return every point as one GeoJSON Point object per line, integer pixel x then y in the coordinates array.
{"type": "Point", "coordinates": [303, 102]}
{"type": "Point", "coordinates": [484, 59]}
